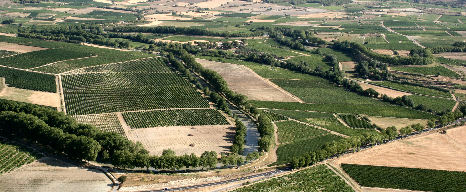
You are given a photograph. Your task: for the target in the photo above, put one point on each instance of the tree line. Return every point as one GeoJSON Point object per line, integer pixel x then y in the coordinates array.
{"type": "Point", "coordinates": [85, 142]}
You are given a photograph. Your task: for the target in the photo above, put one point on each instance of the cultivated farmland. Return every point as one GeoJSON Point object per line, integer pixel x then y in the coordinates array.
{"type": "Point", "coordinates": [113, 91]}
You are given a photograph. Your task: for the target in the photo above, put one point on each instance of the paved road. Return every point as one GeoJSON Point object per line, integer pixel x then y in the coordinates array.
{"type": "Point", "coordinates": [265, 175]}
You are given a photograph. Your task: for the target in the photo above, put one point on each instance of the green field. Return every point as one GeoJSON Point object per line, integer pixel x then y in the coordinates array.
{"type": "Point", "coordinates": [180, 117]}
{"type": "Point", "coordinates": [107, 90]}
{"type": "Point", "coordinates": [297, 139]}
{"type": "Point", "coordinates": [315, 179]}
{"type": "Point", "coordinates": [437, 70]}
{"type": "Point", "coordinates": [28, 80]}
{"type": "Point", "coordinates": [13, 157]}
{"type": "Point", "coordinates": [434, 104]}
{"type": "Point", "coordinates": [413, 89]}
{"type": "Point", "coordinates": [355, 121]}
{"type": "Point", "coordinates": [38, 58]}
{"type": "Point", "coordinates": [407, 178]}
{"type": "Point", "coordinates": [106, 122]}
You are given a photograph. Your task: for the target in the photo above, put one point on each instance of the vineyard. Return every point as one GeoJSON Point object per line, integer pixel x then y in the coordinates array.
{"type": "Point", "coordinates": [356, 121]}
{"type": "Point", "coordinates": [291, 131]}
{"type": "Point", "coordinates": [38, 58]}
{"type": "Point", "coordinates": [434, 104]}
{"type": "Point", "coordinates": [407, 178]}
{"type": "Point", "coordinates": [413, 89]}
{"type": "Point", "coordinates": [106, 122]}
{"type": "Point", "coordinates": [113, 91]}
{"type": "Point", "coordinates": [437, 70]}
{"type": "Point", "coordinates": [178, 117]}
{"type": "Point", "coordinates": [28, 80]}
{"type": "Point", "coordinates": [297, 139]}
{"type": "Point", "coordinates": [318, 178]}
{"type": "Point", "coordinates": [13, 157]}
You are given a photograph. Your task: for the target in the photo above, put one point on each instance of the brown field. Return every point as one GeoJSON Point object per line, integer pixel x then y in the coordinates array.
{"type": "Point", "coordinates": [245, 81]}
{"type": "Point", "coordinates": [19, 48]}
{"type": "Point", "coordinates": [7, 34]}
{"type": "Point", "coordinates": [403, 53]}
{"type": "Point", "coordinates": [29, 96]}
{"type": "Point", "coordinates": [218, 138]}
{"type": "Point", "coordinates": [428, 151]}
{"type": "Point", "coordinates": [49, 174]}
{"type": "Point", "coordinates": [210, 4]}
{"type": "Point", "coordinates": [399, 123]}
{"type": "Point", "coordinates": [459, 56]}
{"type": "Point", "coordinates": [382, 90]}
{"type": "Point", "coordinates": [348, 65]}
{"type": "Point", "coordinates": [462, 33]}
{"type": "Point", "coordinates": [331, 15]}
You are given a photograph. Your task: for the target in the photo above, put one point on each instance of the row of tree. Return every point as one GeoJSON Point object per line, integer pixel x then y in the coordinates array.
{"type": "Point", "coordinates": [240, 138]}
{"type": "Point", "coordinates": [356, 50]}
{"type": "Point", "coordinates": [85, 142]}
{"type": "Point", "coordinates": [181, 31]}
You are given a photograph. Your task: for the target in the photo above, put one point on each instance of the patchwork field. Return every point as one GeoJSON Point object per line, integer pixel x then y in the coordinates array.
{"type": "Point", "coordinates": [433, 151]}
{"type": "Point", "coordinates": [243, 80]}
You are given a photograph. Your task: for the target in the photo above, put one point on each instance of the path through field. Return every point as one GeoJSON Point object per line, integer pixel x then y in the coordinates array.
{"type": "Point", "coordinates": [409, 37]}
{"type": "Point", "coordinates": [252, 134]}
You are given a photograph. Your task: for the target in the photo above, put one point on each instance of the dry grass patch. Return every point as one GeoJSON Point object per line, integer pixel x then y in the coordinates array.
{"type": "Point", "coordinates": [399, 123]}
{"type": "Point", "coordinates": [29, 96]}
{"type": "Point", "coordinates": [245, 81]}
{"type": "Point", "coordinates": [403, 53]}
{"type": "Point", "coordinates": [184, 139]}
{"type": "Point", "coordinates": [18, 48]}
{"type": "Point", "coordinates": [331, 15]}
{"type": "Point", "coordinates": [49, 174]}
{"type": "Point", "coordinates": [382, 90]}
{"type": "Point", "coordinates": [449, 55]}
{"type": "Point", "coordinates": [427, 151]}
{"type": "Point", "coordinates": [210, 4]}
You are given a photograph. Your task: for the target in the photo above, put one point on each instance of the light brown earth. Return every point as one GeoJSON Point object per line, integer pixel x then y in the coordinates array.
{"type": "Point", "coordinates": [348, 65]}
{"type": "Point", "coordinates": [403, 53]}
{"type": "Point", "coordinates": [459, 56]}
{"type": "Point", "coordinates": [49, 174]}
{"type": "Point", "coordinates": [245, 81]}
{"type": "Point", "coordinates": [427, 151]}
{"type": "Point", "coordinates": [382, 90]}
{"type": "Point", "coordinates": [462, 33]}
{"type": "Point", "coordinates": [30, 96]}
{"type": "Point", "coordinates": [376, 189]}
{"type": "Point", "coordinates": [218, 138]}
{"type": "Point", "coordinates": [399, 123]}
{"type": "Point", "coordinates": [19, 48]}
{"type": "Point", "coordinates": [331, 15]}
{"type": "Point", "coordinates": [210, 4]}
{"type": "Point", "coordinates": [8, 34]}
{"type": "Point", "coordinates": [256, 19]}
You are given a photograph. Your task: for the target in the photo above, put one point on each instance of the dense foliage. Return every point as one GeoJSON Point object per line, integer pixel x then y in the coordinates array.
{"type": "Point", "coordinates": [28, 80]}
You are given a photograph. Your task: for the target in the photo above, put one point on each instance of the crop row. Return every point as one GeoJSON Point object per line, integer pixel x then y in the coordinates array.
{"type": "Point", "coordinates": [106, 122]}
{"type": "Point", "coordinates": [318, 178]}
{"type": "Point", "coordinates": [178, 117]}
{"type": "Point", "coordinates": [291, 131]}
{"type": "Point", "coordinates": [413, 89]}
{"type": "Point", "coordinates": [11, 157]}
{"type": "Point", "coordinates": [407, 178]}
{"type": "Point", "coordinates": [147, 65]}
{"type": "Point", "coordinates": [38, 58]}
{"type": "Point", "coordinates": [355, 121]}
{"type": "Point", "coordinates": [437, 70]}
{"type": "Point", "coordinates": [28, 80]}
{"type": "Point", "coordinates": [92, 93]}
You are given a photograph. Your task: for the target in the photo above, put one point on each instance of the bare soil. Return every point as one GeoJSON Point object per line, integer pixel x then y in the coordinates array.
{"type": "Point", "coordinates": [403, 53]}
{"type": "Point", "coordinates": [331, 15]}
{"type": "Point", "coordinates": [399, 123]}
{"type": "Point", "coordinates": [29, 96]}
{"type": "Point", "coordinates": [428, 151]}
{"type": "Point", "coordinates": [245, 81]}
{"type": "Point", "coordinates": [18, 48]}
{"type": "Point", "coordinates": [459, 56]}
{"type": "Point", "coordinates": [382, 90]}
{"type": "Point", "coordinates": [218, 138]}
{"type": "Point", "coordinates": [49, 174]}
